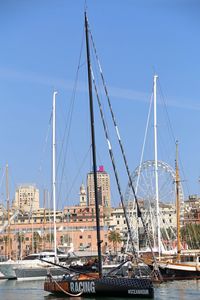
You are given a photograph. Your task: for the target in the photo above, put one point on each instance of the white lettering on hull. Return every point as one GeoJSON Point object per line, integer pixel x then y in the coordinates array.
{"type": "Point", "coordinates": [82, 286]}
{"type": "Point", "coordinates": [138, 292]}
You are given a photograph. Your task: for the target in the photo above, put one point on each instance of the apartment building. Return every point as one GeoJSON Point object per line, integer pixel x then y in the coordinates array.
{"type": "Point", "coordinates": [103, 190]}
{"type": "Point", "coordinates": [27, 198]}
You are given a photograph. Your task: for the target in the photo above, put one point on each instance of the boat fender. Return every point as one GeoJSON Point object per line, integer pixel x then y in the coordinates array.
{"type": "Point", "coordinates": [198, 267]}
{"type": "Point", "coordinates": [197, 264]}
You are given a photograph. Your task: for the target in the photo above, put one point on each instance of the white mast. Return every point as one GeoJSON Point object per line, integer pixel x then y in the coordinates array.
{"type": "Point", "coordinates": [54, 170]}
{"type": "Point", "coordinates": [156, 164]}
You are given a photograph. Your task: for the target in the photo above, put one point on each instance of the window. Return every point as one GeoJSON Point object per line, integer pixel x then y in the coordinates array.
{"type": "Point", "coordinates": [80, 237]}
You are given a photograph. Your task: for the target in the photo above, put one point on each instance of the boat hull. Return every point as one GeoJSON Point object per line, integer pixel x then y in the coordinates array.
{"type": "Point", "coordinates": [36, 273]}
{"type": "Point", "coordinates": [7, 270]}
{"type": "Point", "coordinates": [179, 272]}
{"type": "Point", "coordinates": [107, 286]}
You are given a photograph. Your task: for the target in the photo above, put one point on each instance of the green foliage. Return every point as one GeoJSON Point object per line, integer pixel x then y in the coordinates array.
{"type": "Point", "coordinates": [115, 238]}
{"type": "Point", "coordinates": [65, 239]}
{"type": "Point", "coordinates": [49, 237]}
{"type": "Point", "coordinates": [36, 241]}
{"type": "Point", "coordinates": [190, 234]}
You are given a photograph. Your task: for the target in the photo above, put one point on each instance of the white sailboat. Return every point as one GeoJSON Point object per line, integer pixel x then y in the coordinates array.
{"type": "Point", "coordinates": [32, 266]}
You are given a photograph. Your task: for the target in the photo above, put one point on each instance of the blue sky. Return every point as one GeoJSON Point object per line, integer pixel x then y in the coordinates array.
{"type": "Point", "coordinates": [40, 46]}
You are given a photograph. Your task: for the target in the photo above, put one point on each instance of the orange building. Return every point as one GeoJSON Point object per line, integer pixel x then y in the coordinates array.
{"type": "Point", "coordinates": [76, 227]}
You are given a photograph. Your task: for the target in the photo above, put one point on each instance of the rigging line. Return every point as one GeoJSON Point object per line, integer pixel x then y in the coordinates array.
{"type": "Point", "coordinates": [124, 157]}
{"type": "Point", "coordinates": [171, 128]}
{"type": "Point", "coordinates": [45, 143]}
{"type": "Point", "coordinates": [144, 143]}
{"type": "Point", "coordinates": [78, 172]}
{"type": "Point", "coordinates": [114, 167]}
{"type": "Point", "coordinates": [68, 126]}
{"type": "Point", "coordinates": [165, 106]}
{"type": "Point", "coordinates": [97, 79]}
{"type": "Point", "coordinates": [1, 182]}
{"type": "Point", "coordinates": [100, 91]}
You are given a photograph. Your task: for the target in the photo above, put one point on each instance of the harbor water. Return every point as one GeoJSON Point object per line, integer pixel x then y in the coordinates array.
{"type": "Point", "coordinates": [33, 290]}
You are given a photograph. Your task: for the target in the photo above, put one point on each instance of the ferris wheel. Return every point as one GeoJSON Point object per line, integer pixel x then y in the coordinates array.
{"type": "Point", "coordinates": [143, 179]}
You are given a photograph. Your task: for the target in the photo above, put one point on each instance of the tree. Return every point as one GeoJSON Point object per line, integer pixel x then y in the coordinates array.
{"type": "Point", "coordinates": [190, 234]}
{"type": "Point", "coordinates": [50, 237]}
{"type": "Point", "coordinates": [115, 238]}
{"type": "Point", "coordinates": [36, 241]}
{"type": "Point", "coordinates": [20, 239]}
{"type": "Point", "coordinates": [65, 239]}
{"type": "Point", "coordinates": [5, 239]}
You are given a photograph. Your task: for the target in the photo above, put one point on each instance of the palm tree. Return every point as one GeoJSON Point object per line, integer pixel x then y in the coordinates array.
{"type": "Point", "coordinates": [65, 239]}
{"type": "Point", "coordinates": [115, 238]}
{"type": "Point", "coordinates": [36, 241]}
{"type": "Point", "coordinates": [20, 239]}
{"type": "Point", "coordinates": [5, 239]}
{"type": "Point", "coordinates": [49, 238]}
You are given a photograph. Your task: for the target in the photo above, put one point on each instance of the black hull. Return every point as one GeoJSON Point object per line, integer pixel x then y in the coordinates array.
{"type": "Point", "coordinates": [173, 274]}
{"type": "Point", "coordinates": [105, 287]}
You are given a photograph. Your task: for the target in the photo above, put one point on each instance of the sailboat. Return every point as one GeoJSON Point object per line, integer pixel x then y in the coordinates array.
{"type": "Point", "coordinates": [172, 265]}
{"type": "Point", "coordinates": [96, 284]}
{"type": "Point", "coordinates": [36, 265]}
{"type": "Point", "coordinates": [186, 264]}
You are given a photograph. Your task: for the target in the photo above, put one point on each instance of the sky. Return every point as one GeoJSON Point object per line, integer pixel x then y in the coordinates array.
{"type": "Point", "coordinates": [41, 43]}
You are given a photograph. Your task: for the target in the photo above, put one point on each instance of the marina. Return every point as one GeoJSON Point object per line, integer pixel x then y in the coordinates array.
{"type": "Point", "coordinates": [109, 214]}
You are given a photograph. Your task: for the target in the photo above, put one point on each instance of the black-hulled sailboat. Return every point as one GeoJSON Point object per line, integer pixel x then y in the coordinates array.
{"type": "Point", "coordinates": [97, 284]}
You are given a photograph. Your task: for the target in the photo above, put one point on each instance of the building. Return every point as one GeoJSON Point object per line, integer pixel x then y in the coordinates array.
{"type": "Point", "coordinates": [27, 198]}
{"type": "Point", "coordinates": [75, 225]}
{"type": "Point", "coordinates": [83, 196]}
{"type": "Point", "coordinates": [103, 189]}
{"type": "Point", "coordinates": [192, 210]}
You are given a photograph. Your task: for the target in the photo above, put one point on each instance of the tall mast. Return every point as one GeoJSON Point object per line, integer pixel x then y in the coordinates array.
{"type": "Point", "coordinates": [156, 163]}
{"type": "Point", "coordinates": [44, 220]}
{"type": "Point", "coordinates": [177, 181]}
{"type": "Point", "coordinates": [93, 148]}
{"type": "Point", "coordinates": [8, 211]}
{"type": "Point", "coordinates": [54, 171]}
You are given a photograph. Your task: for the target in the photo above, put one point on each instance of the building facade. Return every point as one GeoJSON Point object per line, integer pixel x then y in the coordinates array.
{"type": "Point", "coordinates": [27, 198]}
{"type": "Point", "coordinates": [103, 189]}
